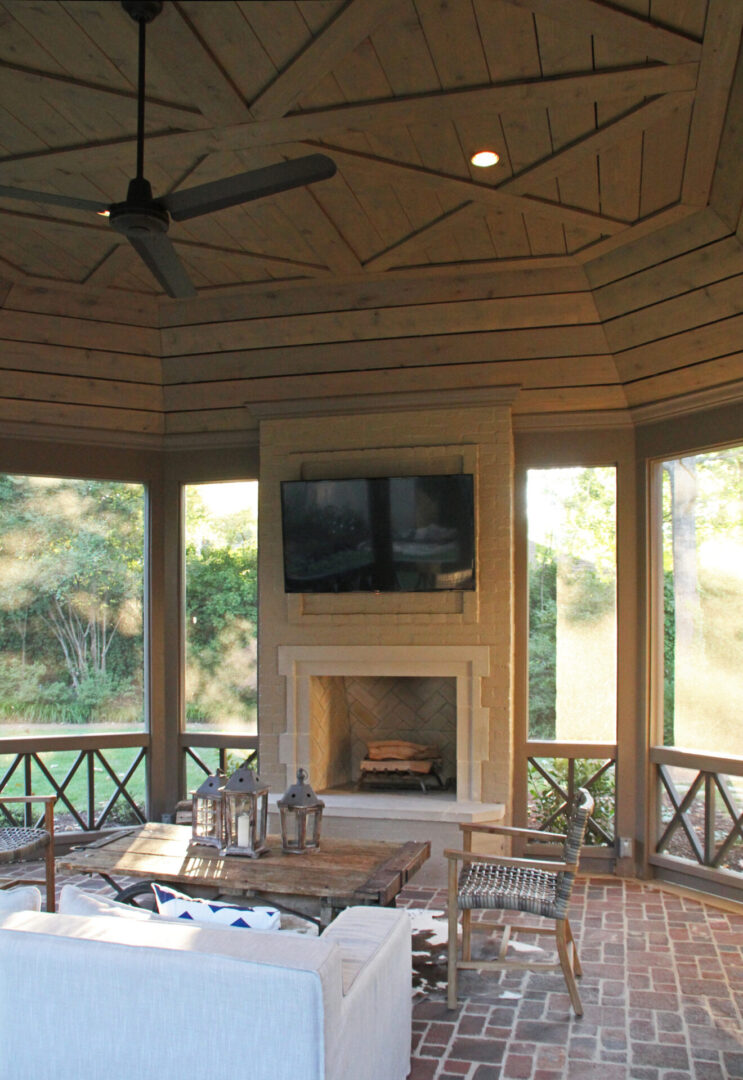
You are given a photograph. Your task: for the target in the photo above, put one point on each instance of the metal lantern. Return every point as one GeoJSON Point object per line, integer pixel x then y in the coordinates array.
{"type": "Point", "coordinates": [301, 814]}
{"type": "Point", "coordinates": [208, 812]}
{"type": "Point", "coordinates": [245, 813]}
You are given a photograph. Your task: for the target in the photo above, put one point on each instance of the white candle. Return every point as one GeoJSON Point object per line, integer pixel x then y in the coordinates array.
{"type": "Point", "coordinates": [243, 830]}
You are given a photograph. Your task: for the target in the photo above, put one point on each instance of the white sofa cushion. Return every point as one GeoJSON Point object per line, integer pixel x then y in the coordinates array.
{"type": "Point", "coordinates": [74, 901]}
{"type": "Point", "coordinates": [176, 905]}
{"type": "Point", "coordinates": [167, 998]}
{"type": "Point", "coordinates": [21, 898]}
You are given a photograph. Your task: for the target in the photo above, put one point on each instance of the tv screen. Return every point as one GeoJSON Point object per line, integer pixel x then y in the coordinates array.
{"type": "Point", "coordinates": [379, 534]}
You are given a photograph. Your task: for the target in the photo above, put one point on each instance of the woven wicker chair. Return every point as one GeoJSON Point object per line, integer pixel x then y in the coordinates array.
{"type": "Point", "coordinates": [19, 843]}
{"type": "Point", "coordinates": [537, 886]}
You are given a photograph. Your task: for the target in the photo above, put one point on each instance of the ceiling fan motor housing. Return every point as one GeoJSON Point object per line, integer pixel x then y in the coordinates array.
{"type": "Point", "coordinates": [142, 10]}
{"type": "Point", "coordinates": [140, 213]}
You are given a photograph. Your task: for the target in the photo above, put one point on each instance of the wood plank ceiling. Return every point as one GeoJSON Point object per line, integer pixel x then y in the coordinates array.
{"type": "Point", "coordinates": [608, 119]}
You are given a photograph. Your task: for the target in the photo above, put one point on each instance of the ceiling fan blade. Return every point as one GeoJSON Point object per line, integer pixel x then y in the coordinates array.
{"type": "Point", "coordinates": [157, 252]}
{"type": "Point", "coordinates": [54, 200]}
{"type": "Point", "coordinates": [256, 184]}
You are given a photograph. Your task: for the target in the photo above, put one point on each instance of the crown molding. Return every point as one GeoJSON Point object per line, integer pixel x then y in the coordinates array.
{"type": "Point", "coordinates": [402, 401]}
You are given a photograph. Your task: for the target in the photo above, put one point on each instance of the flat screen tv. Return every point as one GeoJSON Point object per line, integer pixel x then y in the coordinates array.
{"type": "Point", "coordinates": [379, 534]}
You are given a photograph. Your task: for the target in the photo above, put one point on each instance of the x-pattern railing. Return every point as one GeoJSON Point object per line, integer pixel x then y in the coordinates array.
{"type": "Point", "coordinates": [251, 759]}
{"type": "Point", "coordinates": [84, 759]}
{"type": "Point", "coordinates": [564, 791]}
{"type": "Point", "coordinates": [706, 849]}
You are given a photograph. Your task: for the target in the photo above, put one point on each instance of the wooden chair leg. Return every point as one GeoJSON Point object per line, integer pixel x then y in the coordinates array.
{"type": "Point", "coordinates": [577, 969]}
{"type": "Point", "coordinates": [451, 946]}
{"type": "Point", "coordinates": [466, 934]}
{"type": "Point", "coordinates": [563, 952]}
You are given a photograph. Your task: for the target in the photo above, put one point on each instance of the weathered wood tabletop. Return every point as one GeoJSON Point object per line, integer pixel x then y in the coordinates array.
{"type": "Point", "coordinates": [340, 873]}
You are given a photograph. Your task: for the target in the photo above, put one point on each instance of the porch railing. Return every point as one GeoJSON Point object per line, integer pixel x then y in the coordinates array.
{"type": "Point", "coordinates": [699, 815]}
{"type": "Point", "coordinates": [555, 772]}
{"type": "Point", "coordinates": [72, 768]}
{"type": "Point", "coordinates": [193, 744]}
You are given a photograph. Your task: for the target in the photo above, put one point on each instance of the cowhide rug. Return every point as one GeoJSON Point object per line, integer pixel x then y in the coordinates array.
{"type": "Point", "coordinates": [430, 936]}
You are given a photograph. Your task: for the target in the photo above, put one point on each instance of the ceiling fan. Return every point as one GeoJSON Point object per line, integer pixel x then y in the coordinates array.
{"type": "Point", "coordinates": [144, 220]}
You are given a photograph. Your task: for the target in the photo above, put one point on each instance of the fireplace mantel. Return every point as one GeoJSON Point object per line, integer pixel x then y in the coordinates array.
{"type": "Point", "coordinates": [467, 664]}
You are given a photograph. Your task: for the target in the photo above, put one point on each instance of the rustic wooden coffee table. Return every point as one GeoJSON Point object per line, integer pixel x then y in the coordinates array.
{"type": "Point", "coordinates": [319, 884]}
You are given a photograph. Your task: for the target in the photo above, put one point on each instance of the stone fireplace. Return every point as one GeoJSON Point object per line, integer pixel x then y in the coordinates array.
{"type": "Point", "coordinates": [334, 667]}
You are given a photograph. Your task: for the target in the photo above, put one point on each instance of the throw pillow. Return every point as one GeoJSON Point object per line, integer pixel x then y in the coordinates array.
{"type": "Point", "coordinates": [74, 901]}
{"type": "Point", "coordinates": [21, 898]}
{"type": "Point", "coordinates": [179, 906]}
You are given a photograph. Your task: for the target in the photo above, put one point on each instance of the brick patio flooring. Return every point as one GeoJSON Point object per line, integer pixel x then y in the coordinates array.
{"type": "Point", "coordinates": [662, 991]}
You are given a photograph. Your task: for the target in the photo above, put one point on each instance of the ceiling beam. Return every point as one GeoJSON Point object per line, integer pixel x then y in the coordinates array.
{"type": "Point", "coordinates": [496, 201]}
{"type": "Point", "coordinates": [722, 40]}
{"type": "Point", "coordinates": [622, 28]}
{"type": "Point", "coordinates": [640, 82]}
{"type": "Point", "coordinates": [348, 29]}
{"type": "Point", "coordinates": [557, 164]}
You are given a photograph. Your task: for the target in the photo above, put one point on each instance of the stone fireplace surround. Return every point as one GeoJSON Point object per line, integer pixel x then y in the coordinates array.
{"type": "Point", "coordinates": [298, 745]}
{"type": "Point", "coordinates": [308, 641]}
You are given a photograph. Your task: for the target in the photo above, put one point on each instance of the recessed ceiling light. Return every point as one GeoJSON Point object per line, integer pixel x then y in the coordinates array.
{"type": "Point", "coordinates": [485, 158]}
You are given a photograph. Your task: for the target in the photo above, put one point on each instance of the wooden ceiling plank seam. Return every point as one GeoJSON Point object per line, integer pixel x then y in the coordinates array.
{"type": "Point", "coordinates": [663, 157]}
{"type": "Point", "coordinates": [346, 30]}
{"type": "Point", "coordinates": [675, 384]}
{"type": "Point", "coordinates": [651, 225]}
{"type": "Point", "coordinates": [323, 122]}
{"type": "Point", "coordinates": [229, 35]}
{"type": "Point", "coordinates": [89, 96]}
{"type": "Point", "coordinates": [110, 267]}
{"type": "Point", "coordinates": [545, 373]}
{"type": "Point", "coordinates": [722, 42]}
{"type": "Point", "coordinates": [77, 332]}
{"type": "Point", "coordinates": [82, 417]}
{"type": "Point", "coordinates": [65, 359]}
{"type": "Point", "coordinates": [178, 47]}
{"type": "Point", "coordinates": [417, 239]}
{"type": "Point", "coordinates": [560, 342]}
{"type": "Point", "coordinates": [621, 27]}
{"type": "Point", "coordinates": [492, 198]}
{"type": "Point", "coordinates": [82, 390]}
{"type": "Point", "coordinates": [692, 230]}
{"type": "Point", "coordinates": [67, 44]}
{"type": "Point", "coordinates": [414, 320]}
{"type": "Point", "coordinates": [595, 142]}
{"type": "Point", "coordinates": [703, 265]}
{"type": "Point", "coordinates": [726, 195]}
{"type": "Point", "coordinates": [695, 308]}
{"type": "Point", "coordinates": [688, 347]}
{"type": "Point", "coordinates": [382, 290]}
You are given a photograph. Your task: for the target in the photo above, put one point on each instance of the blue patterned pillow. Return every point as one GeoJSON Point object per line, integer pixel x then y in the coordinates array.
{"type": "Point", "coordinates": [177, 905]}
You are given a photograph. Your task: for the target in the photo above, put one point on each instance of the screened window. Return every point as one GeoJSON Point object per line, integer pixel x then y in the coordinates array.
{"type": "Point", "coordinates": [703, 602]}
{"type": "Point", "coordinates": [572, 604]}
{"type": "Point", "coordinates": [71, 604]}
{"type": "Point", "coordinates": [221, 606]}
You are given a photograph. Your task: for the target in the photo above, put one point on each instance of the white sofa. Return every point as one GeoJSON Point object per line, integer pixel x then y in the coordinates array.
{"type": "Point", "coordinates": [83, 998]}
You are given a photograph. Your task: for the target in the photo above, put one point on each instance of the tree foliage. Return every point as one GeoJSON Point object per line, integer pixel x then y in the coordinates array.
{"type": "Point", "coordinates": [71, 592]}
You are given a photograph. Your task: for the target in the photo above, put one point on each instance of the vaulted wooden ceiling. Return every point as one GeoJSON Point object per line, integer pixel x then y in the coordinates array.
{"type": "Point", "coordinates": [606, 118]}
{"type": "Point", "coordinates": [609, 227]}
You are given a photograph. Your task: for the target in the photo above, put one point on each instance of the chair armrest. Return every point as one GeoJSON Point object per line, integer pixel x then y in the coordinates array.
{"type": "Point", "coordinates": [510, 830]}
{"type": "Point", "coordinates": [48, 809]}
{"type": "Point", "coordinates": [550, 866]}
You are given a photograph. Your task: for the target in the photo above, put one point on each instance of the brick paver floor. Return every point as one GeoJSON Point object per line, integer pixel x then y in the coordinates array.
{"type": "Point", "coordinates": [662, 991]}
